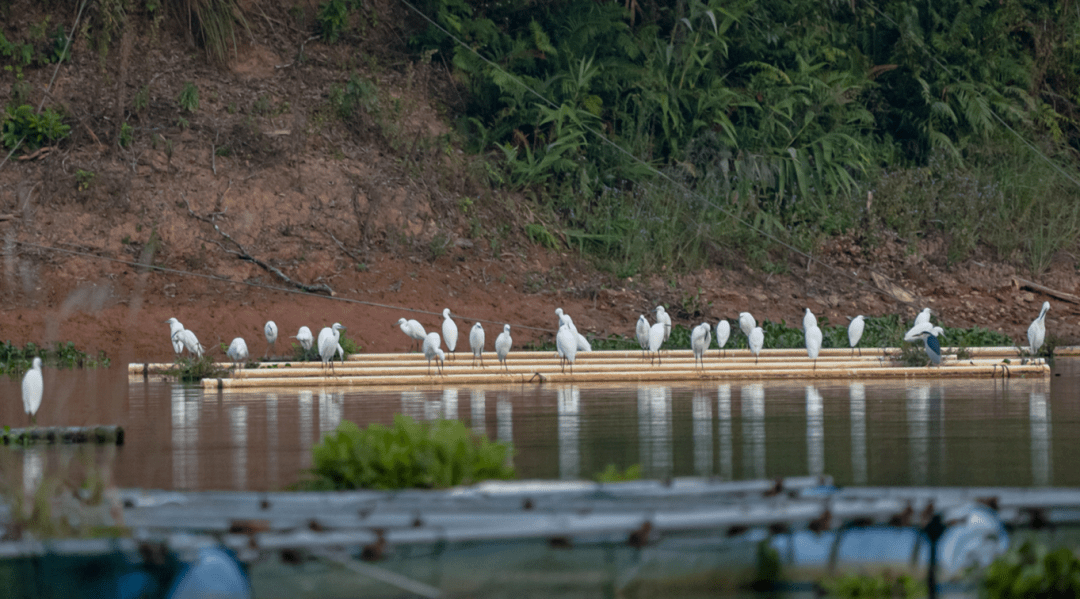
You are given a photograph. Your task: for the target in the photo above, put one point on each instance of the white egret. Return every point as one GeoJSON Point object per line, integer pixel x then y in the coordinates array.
{"type": "Point", "coordinates": [922, 317]}
{"type": "Point", "coordinates": [413, 329]}
{"type": "Point", "coordinates": [929, 336]}
{"type": "Point", "coordinates": [502, 345]}
{"type": "Point", "coordinates": [746, 323]}
{"type": "Point", "coordinates": [915, 332]}
{"type": "Point", "coordinates": [756, 340]}
{"type": "Point", "coordinates": [329, 338]}
{"type": "Point", "coordinates": [566, 344]}
{"type": "Point", "coordinates": [583, 343]}
{"type": "Point", "coordinates": [664, 317]}
{"type": "Point", "coordinates": [174, 328]}
{"type": "Point", "coordinates": [579, 339]}
{"type": "Point", "coordinates": [190, 342]}
{"type": "Point", "coordinates": [643, 334]}
{"type": "Point", "coordinates": [656, 340]}
{"type": "Point", "coordinates": [270, 330]}
{"type": "Point", "coordinates": [813, 343]}
{"type": "Point", "coordinates": [700, 338]}
{"type": "Point", "coordinates": [564, 318]}
{"type": "Point", "coordinates": [1037, 330]}
{"type": "Point", "coordinates": [237, 352]}
{"type": "Point", "coordinates": [808, 320]}
{"type": "Point", "coordinates": [33, 386]}
{"type": "Point", "coordinates": [433, 352]}
{"type": "Point", "coordinates": [449, 331]}
{"type": "Point", "coordinates": [303, 336]}
{"type": "Point", "coordinates": [854, 333]}
{"type": "Point", "coordinates": [723, 332]}
{"type": "Point", "coordinates": [476, 343]}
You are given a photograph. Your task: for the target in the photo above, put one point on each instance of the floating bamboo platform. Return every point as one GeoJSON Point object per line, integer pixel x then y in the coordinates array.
{"type": "Point", "coordinates": [622, 366]}
{"type": "Point", "coordinates": [102, 435]}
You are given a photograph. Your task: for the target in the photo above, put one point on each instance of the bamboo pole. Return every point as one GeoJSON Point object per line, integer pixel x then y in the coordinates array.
{"type": "Point", "coordinates": [106, 435]}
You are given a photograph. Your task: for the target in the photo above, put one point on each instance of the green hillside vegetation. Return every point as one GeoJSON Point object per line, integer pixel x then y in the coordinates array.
{"type": "Point", "coordinates": [652, 135]}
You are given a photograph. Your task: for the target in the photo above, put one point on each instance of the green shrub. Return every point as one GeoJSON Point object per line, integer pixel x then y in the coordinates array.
{"type": "Point", "coordinates": [189, 98]}
{"type": "Point", "coordinates": [1033, 571]}
{"type": "Point", "coordinates": [864, 586]}
{"type": "Point", "coordinates": [35, 130]}
{"type": "Point", "coordinates": [15, 360]}
{"type": "Point", "coordinates": [411, 454]}
{"type": "Point", "coordinates": [189, 369]}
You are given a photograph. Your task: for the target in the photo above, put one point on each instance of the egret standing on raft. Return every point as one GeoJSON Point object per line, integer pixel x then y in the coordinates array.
{"type": "Point", "coordinates": [174, 328]}
{"type": "Point", "coordinates": [656, 340]}
{"type": "Point", "coordinates": [929, 334]}
{"type": "Point", "coordinates": [476, 343]}
{"type": "Point", "coordinates": [433, 352]}
{"type": "Point", "coordinates": [412, 328]}
{"type": "Point", "coordinates": [723, 332]}
{"type": "Point", "coordinates": [813, 343]}
{"type": "Point", "coordinates": [303, 336]}
{"type": "Point", "coordinates": [270, 330]}
{"type": "Point", "coordinates": [190, 342]}
{"type": "Point", "coordinates": [1037, 330]}
{"type": "Point", "coordinates": [449, 331]}
{"type": "Point", "coordinates": [663, 317]}
{"type": "Point", "coordinates": [502, 345]}
{"type": "Point", "coordinates": [566, 345]}
{"type": "Point", "coordinates": [808, 320]}
{"type": "Point", "coordinates": [854, 333]}
{"type": "Point", "coordinates": [746, 323]}
{"type": "Point", "coordinates": [700, 338]}
{"type": "Point", "coordinates": [33, 386]}
{"type": "Point", "coordinates": [329, 339]}
{"type": "Point", "coordinates": [756, 340]}
{"type": "Point", "coordinates": [237, 352]}
{"type": "Point", "coordinates": [642, 332]}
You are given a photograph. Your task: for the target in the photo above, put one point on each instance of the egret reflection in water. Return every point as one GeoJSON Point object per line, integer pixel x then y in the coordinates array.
{"type": "Point", "coordinates": [857, 398]}
{"type": "Point", "coordinates": [569, 422]}
{"type": "Point", "coordinates": [701, 412]}
{"type": "Point", "coordinates": [654, 431]}
{"type": "Point", "coordinates": [815, 431]}
{"type": "Point", "coordinates": [1042, 466]}
{"type": "Point", "coordinates": [723, 414]}
{"type": "Point", "coordinates": [185, 406]}
{"type": "Point", "coordinates": [238, 423]}
{"type": "Point", "coordinates": [753, 415]}
{"type": "Point", "coordinates": [478, 408]}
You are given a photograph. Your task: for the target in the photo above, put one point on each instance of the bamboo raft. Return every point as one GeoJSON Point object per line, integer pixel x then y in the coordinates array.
{"type": "Point", "coordinates": [539, 367]}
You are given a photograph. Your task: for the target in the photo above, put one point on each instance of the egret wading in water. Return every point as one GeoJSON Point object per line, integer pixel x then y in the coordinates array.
{"type": "Point", "coordinates": [238, 353]}
{"type": "Point", "coordinates": [656, 341]}
{"type": "Point", "coordinates": [642, 332]}
{"type": "Point", "coordinates": [413, 329]}
{"type": "Point", "coordinates": [190, 342]}
{"type": "Point", "coordinates": [566, 345]}
{"type": "Point", "coordinates": [746, 323]}
{"type": "Point", "coordinates": [304, 338]}
{"type": "Point", "coordinates": [929, 334]}
{"type": "Point", "coordinates": [476, 343]}
{"type": "Point", "coordinates": [449, 331]}
{"type": "Point", "coordinates": [502, 345]}
{"type": "Point", "coordinates": [700, 339]}
{"type": "Point", "coordinates": [174, 328]}
{"type": "Point", "coordinates": [663, 317]}
{"type": "Point", "coordinates": [756, 341]}
{"type": "Point", "coordinates": [808, 320]}
{"type": "Point", "coordinates": [270, 330]}
{"type": "Point", "coordinates": [813, 343]}
{"type": "Point", "coordinates": [854, 333]}
{"type": "Point", "coordinates": [33, 386]}
{"type": "Point", "coordinates": [433, 352]}
{"type": "Point", "coordinates": [723, 333]}
{"type": "Point", "coordinates": [329, 342]}
{"type": "Point", "coordinates": [1037, 331]}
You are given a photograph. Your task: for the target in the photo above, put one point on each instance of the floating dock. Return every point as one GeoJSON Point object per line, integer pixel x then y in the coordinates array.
{"type": "Point", "coordinates": [539, 367]}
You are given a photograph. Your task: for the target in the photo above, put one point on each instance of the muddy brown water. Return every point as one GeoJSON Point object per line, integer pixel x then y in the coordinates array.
{"type": "Point", "coordinates": [1022, 432]}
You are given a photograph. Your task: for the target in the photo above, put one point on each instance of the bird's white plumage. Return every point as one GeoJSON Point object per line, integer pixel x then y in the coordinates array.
{"type": "Point", "coordinates": [808, 320]}
{"type": "Point", "coordinates": [238, 351]}
{"type": "Point", "coordinates": [915, 333]}
{"type": "Point", "coordinates": [813, 342]}
{"type": "Point", "coordinates": [303, 336]}
{"type": "Point", "coordinates": [270, 331]}
{"type": "Point", "coordinates": [855, 331]}
{"type": "Point", "coordinates": [564, 318]}
{"type": "Point", "coordinates": [329, 338]}
{"type": "Point", "coordinates": [413, 329]}
{"type": "Point", "coordinates": [33, 387]}
{"type": "Point", "coordinates": [723, 333]}
{"type": "Point", "coordinates": [747, 323]}
{"type": "Point", "coordinates": [663, 317]}
{"type": "Point", "coordinates": [190, 342]}
{"type": "Point", "coordinates": [700, 338]}
{"type": "Point", "coordinates": [756, 340]}
{"type": "Point", "coordinates": [656, 338]}
{"type": "Point", "coordinates": [502, 345]}
{"type": "Point", "coordinates": [174, 328]}
{"type": "Point", "coordinates": [643, 332]}
{"type": "Point", "coordinates": [923, 317]}
{"type": "Point", "coordinates": [476, 342]}
{"type": "Point", "coordinates": [1036, 333]}
{"type": "Point", "coordinates": [449, 330]}
{"type": "Point", "coordinates": [432, 351]}
{"type": "Point", "coordinates": [566, 345]}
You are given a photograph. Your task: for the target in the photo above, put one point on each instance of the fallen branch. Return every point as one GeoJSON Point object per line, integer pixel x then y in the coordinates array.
{"type": "Point", "coordinates": [242, 253]}
{"type": "Point", "coordinates": [1061, 295]}
{"type": "Point", "coordinates": [344, 249]}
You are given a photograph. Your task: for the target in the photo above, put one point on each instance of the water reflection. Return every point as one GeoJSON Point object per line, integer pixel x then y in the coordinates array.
{"type": "Point", "coordinates": [185, 436]}
{"type": "Point", "coordinates": [569, 409]}
{"type": "Point", "coordinates": [33, 472]}
{"type": "Point", "coordinates": [654, 431]}
{"type": "Point", "coordinates": [918, 418]}
{"type": "Point", "coordinates": [305, 403]}
{"type": "Point", "coordinates": [703, 433]}
{"type": "Point", "coordinates": [272, 440]}
{"type": "Point", "coordinates": [857, 397]}
{"type": "Point", "coordinates": [815, 432]}
{"type": "Point", "coordinates": [753, 413]}
{"type": "Point", "coordinates": [238, 423]}
{"type": "Point", "coordinates": [477, 401]}
{"type": "Point", "coordinates": [1041, 465]}
{"type": "Point", "coordinates": [504, 420]}
{"type": "Point", "coordinates": [330, 406]}
{"type": "Point", "coordinates": [723, 414]}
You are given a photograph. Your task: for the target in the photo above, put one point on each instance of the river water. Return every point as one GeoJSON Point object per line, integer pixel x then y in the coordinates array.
{"type": "Point", "coordinates": [1022, 432]}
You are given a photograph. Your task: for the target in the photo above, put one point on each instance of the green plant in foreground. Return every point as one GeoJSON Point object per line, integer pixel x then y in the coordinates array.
{"type": "Point", "coordinates": [885, 586]}
{"type": "Point", "coordinates": [612, 474]}
{"type": "Point", "coordinates": [411, 454]}
{"type": "Point", "coordinates": [1033, 571]}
